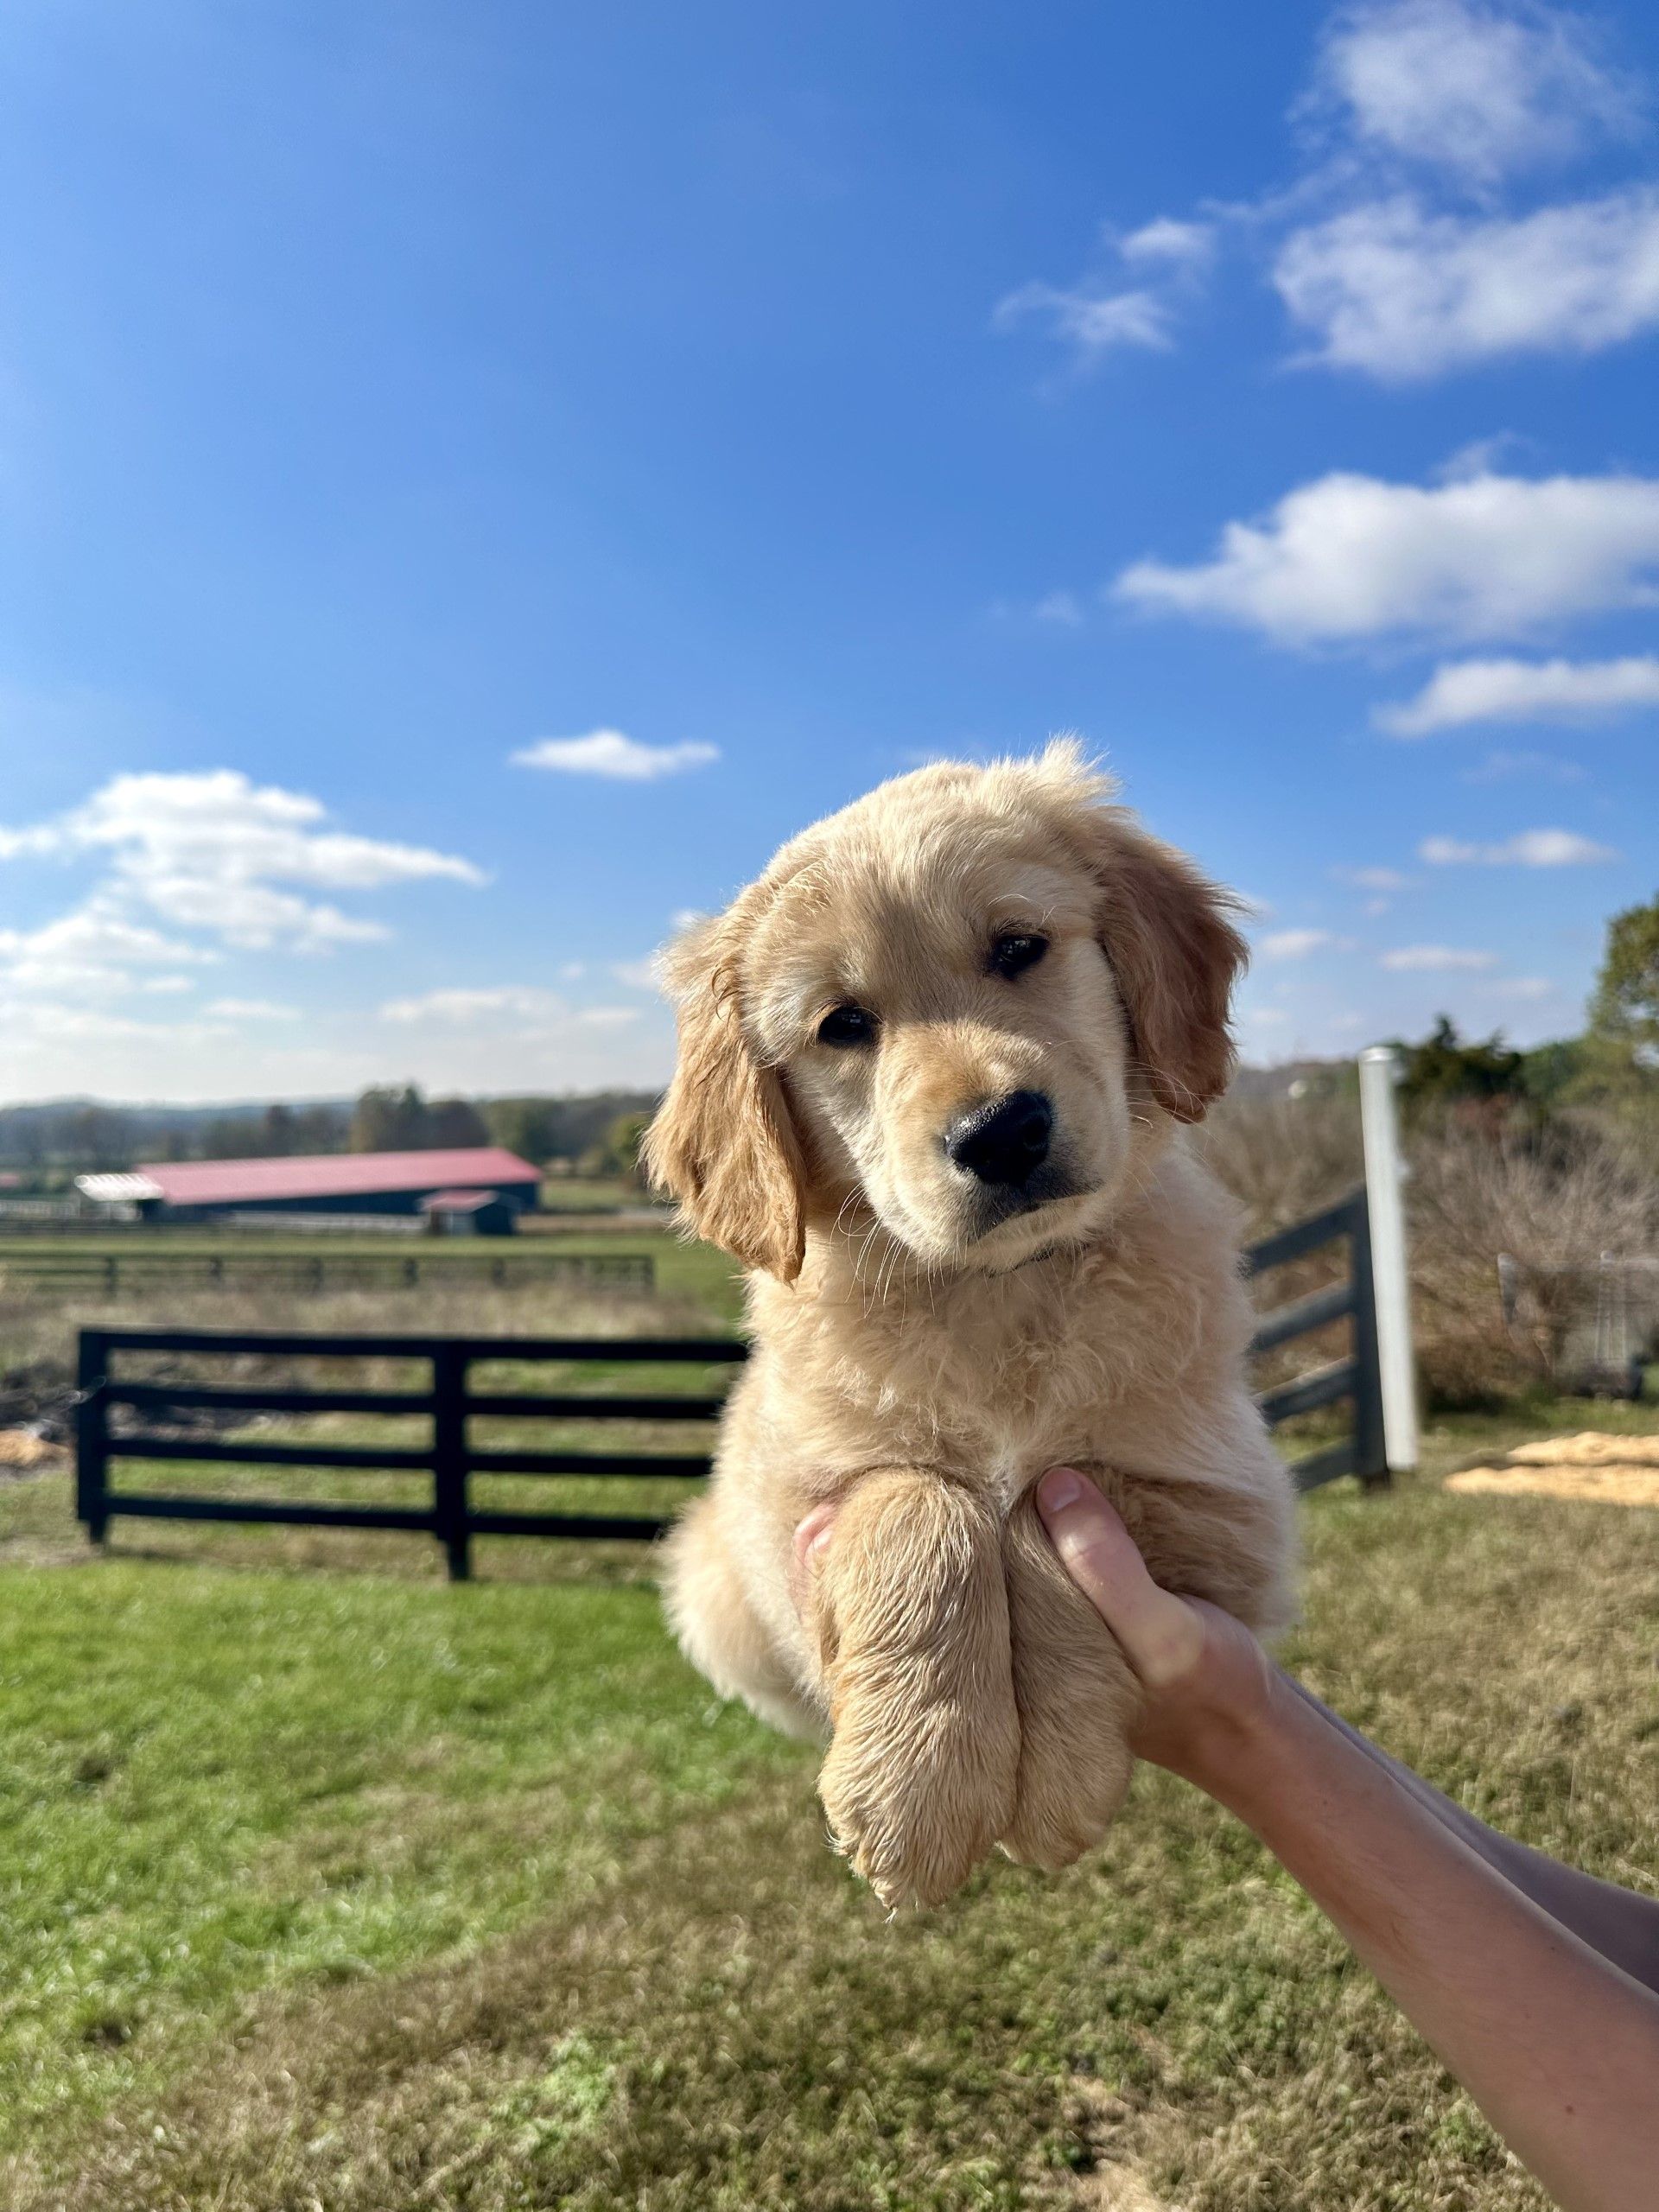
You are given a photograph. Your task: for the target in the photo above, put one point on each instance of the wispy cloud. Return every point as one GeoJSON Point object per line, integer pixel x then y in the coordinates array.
{"type": "Point", "coordinates": [1184, 243]}
{"type": "Point", "coordinates": [1435, 959]}
{"type": "Point", "coordinates": [637, 975]}
{"type": "Point", "coordinates": [1371, 878]}
{"type": "Point", "coordinates": [1388, 250]}
{"type": "Point", "coordinates": [523, 1012]}
{"type": "Point", "coordinates": [1499, 768]}
{"type": "Point", "coordinates": [251, 1010]}
{"type": "Point", "coordinates": [609, 753]}
{"type": "Point", "coordinates": [1463, 692]}
{"type": "Point", "coordinates": [1531, 848]}
{"type": "Point", "coordinates": [1297, 944]}
{"type": "Point", "coordinates": [1092, 321]}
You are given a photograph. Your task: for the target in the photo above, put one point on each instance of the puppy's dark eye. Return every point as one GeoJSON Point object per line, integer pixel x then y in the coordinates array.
{"type": "Point", "coordinates": [1015, 951]}
{"type": "Point", "coordinates": [846, 1024]}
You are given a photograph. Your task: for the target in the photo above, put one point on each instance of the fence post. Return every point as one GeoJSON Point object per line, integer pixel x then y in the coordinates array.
{"type": "Point", "coordinates": [450, 1458]}
{"type": "Point", "coordinates": [1384, 1176]}
{"type": "Point", "coordinates": [91, 1437]}
{"type": "Point", "coordinates": [111, 1274]}
{"type": "Point", "coordinates": [1370, 1437]}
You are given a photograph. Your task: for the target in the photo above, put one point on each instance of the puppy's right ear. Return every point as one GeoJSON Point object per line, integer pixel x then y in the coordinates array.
{"type": "Point", "coordinates": [722, 1142]}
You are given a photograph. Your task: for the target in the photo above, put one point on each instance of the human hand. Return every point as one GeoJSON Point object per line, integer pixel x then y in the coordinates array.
{"type": "Point", "coordinates": [1209, 1686]}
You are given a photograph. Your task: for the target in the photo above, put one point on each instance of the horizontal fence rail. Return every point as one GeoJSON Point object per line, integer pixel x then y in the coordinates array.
{"type": "Point", "coordinates": [445, 1405]}
{"type": "Point", "coordinates": [211, 1421]}
{"type": "Point", "coordinates": [110, 1273]}
{"type": "Point", "coordinates": [1358, 1377]}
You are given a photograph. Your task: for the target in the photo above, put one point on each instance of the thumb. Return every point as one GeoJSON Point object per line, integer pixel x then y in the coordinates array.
{"type": "Point", "coordinates": [1161, 1635]}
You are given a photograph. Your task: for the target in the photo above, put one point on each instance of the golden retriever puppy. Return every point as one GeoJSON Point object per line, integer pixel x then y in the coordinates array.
{"type": "Point", "coordinates": [933, 1069]}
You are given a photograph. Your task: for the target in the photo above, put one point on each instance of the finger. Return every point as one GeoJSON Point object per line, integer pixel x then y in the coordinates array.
{"type": "Point", "coordinates": [811, 1536]}
{"type": "Point", "coordinates": [1161, 1635]}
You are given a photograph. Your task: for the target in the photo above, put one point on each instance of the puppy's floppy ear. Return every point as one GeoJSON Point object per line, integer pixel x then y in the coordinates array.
{"type": "Point", "coordinates": [1169, 934]}
{"type": "Point", "coordinates": [722, 1141]}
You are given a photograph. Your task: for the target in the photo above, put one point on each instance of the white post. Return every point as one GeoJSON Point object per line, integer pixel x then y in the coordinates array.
{"type": "Point", "coordinates": [1384, 1173]}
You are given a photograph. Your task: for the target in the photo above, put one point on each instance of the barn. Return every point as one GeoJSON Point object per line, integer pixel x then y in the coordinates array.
{"type": "Point", "coordinates": [490, 1182]}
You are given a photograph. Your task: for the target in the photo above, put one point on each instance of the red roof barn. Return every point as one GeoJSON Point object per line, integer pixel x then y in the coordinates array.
{"type": "Point", "coordinates": [347, 1182]}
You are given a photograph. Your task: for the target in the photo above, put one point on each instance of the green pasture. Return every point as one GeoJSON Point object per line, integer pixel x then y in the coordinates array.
{"type": "Point", "coordinates": [350, 1889]}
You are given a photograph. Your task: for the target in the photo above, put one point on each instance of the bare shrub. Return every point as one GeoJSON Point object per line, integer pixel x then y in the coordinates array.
{"type": "Point", "coordinates": [1284, 1157]}
{"type": "Point", "coordinates": [1554, 1201]}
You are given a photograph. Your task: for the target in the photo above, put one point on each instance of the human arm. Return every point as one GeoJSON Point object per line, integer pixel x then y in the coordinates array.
{"type": "Point", "coordinates": [1493, 1952]}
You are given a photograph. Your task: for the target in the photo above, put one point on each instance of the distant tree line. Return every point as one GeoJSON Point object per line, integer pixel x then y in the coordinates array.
{"type": "Point", "coordinates": [1609, 1073]}
{"type": "Point", "coordinates": [47, 1144]}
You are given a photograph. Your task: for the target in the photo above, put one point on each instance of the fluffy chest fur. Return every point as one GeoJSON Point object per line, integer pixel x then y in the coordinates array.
{"type": "Point", "coordinates": [1127, 1351]}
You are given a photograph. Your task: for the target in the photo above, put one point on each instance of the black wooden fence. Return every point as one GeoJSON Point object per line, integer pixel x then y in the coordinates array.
{"type": "Point", "coordinates": [450, 1403]}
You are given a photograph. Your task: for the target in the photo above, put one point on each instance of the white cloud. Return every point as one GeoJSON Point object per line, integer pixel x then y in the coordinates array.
{"type": "Point", "coordinates": [1435, 959]}
{"type": "Point", "coordinates": [1186, 243]}
{"type": "Point", "coordinates": [525, 1002]}
{"type": "Point", "coordinates": [209, 851]}
{"type": "Point", "coordinates": [1532, 848]}
{"type": "Point", "coordinates": [1401, 292]}
{"type": "Point", "coordinates": [1391, 247]}
{"type": "Point", "coordinates": [1350, 556]}
{"type": "Point", "coordinates": [521, 1007]}
{"type": "Point", "coordinates": [1061, 607]}
{"type": "Point", "coordinates": [1093, 322]}
{"type": "Point", "coordinates": [1296, 944]}
{"type": "Point", "coordinates": [251, 1010]}
{"type": "Point", "coordinates": [607, 752]}
{"type": "Point", "coordinates": [1462, 692]}
{"type": "Point", "coordinates": [637, 975]}
{"type": "Point", "coordinates": [1498, 767]}
{"type": "Point", "coordinates": [1478, 89]}
{"type": "Point", "coordinates": [1371, 878]}
{"type": "Point", "coordinates": [1528, 988]}
{"type": "Point", "coordinates": [92, 949]}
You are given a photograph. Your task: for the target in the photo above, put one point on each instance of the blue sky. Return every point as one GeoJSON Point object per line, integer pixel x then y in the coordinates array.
{"type": "Point", "coordinates": [473, 478]}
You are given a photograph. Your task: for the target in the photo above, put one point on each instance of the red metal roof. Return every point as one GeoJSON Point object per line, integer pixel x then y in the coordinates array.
{"type": "Point", "coordinates": [344, 1174]}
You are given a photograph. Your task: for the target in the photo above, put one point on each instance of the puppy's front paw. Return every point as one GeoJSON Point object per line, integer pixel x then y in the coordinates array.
{"type": "Point", "coordinates": [918, 1793]}
{"type": "Point", "coordinates": [919, 1782]}
{"type": "Point", "coordinates": [1077, 1700]}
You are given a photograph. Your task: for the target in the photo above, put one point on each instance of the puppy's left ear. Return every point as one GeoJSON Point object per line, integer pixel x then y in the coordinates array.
{"type": "Point", "coordinates": [723, 1142]}
{"type": "Point", "coordinates": [1169, 936]}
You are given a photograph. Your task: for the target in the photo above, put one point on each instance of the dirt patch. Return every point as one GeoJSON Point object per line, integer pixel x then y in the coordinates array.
{"type": "Point", "coordinates": [25, 1448]}
{"type": "Point", "coordinates": [1590, 1468]}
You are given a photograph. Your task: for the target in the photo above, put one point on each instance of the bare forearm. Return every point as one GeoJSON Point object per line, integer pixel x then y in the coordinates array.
{"type": "Point", "coordinates": [1622, 1926]}
{"type": "Point", "coordinates": [1557, 2046]}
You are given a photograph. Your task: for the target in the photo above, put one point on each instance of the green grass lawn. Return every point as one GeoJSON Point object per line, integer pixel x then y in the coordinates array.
{"type": "Point", "coordinates": [351, 1890]}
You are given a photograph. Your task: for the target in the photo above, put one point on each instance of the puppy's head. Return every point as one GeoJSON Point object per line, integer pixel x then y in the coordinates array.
{"type": "Point", "coordinates": [960, 1006]}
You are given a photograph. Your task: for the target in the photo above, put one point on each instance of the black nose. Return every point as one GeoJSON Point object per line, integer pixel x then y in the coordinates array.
{"type": "Point", "coordinates": [1006, 1142]}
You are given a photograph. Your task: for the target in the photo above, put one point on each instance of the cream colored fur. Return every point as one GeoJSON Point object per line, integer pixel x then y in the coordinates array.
{"type": "Point", "coordinates": [922, 1363]}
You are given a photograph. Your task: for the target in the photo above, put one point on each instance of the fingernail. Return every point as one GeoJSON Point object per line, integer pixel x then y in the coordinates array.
{"type": "Point", "coordinates": [1060, 1487]}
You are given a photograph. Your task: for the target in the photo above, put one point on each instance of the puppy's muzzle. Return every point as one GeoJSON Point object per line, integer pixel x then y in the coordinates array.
{"type": "Point", "coordinates": [1005, 1143]}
